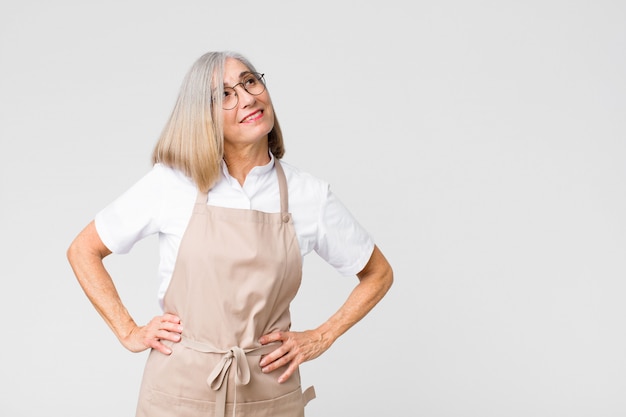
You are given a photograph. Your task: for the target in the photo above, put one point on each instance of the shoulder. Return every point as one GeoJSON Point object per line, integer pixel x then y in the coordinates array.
{"type": "Point", "coordinates": [308, 197]}
{"type": "Point", "coordinates": [165, 174]}
{"type": "Point", "coordinates": [164, 180]}
{"type": "Point", "coordinates": [303, 181]}
{"type": "Point", "coordinates": [161, 185]}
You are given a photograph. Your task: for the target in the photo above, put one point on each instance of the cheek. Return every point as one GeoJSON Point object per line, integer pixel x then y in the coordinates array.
{"type": "Point", "coordinates": [229, 121]}
{"type": "Point", "coordinates": [269, 112]}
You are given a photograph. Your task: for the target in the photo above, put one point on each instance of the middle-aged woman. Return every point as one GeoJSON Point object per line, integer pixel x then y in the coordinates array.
{"type": "Point", "coordinates": [234, 223]}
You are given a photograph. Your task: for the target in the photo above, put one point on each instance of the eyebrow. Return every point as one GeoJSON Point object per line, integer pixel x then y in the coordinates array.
{"type": "Point", "coordinates": [241, 75]}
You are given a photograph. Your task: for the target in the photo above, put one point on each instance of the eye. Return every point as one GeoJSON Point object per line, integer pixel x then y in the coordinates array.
{"type": "Point", "coordinates": [250, 80]}
{"type": "Point", "coordinates": [228, 92]}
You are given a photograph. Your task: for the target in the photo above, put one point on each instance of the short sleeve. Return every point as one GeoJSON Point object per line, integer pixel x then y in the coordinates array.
{"type": "Point", "coordinates": [342, 241]}
{"type": "Point", "coordinates": [133, 215]}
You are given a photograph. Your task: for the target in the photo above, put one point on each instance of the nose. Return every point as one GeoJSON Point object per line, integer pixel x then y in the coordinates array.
{"type": "Point", "coordinates": [245, 98]}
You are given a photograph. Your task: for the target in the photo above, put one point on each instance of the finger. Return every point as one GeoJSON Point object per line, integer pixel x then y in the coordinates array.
{"type": "Point", "coordinates": [275, 360]}
{"type": "Point", "coordinates": [160, 323]}
{"type": "Point", "coordinates": [166, 335]}
{"type": "Point", "coordinates": [271, 337]}
{"type": "Point", "coordinates": [153, 335]}
{"type": "Point", "coordinates": [160, 347]}
{"type": "Point", "coordinates": [290, 370]}
{"type": "Point", "coordinates": [172, 318]}
{"type": "Point", "coordinates": [171, 327]}
{"type": "Point", "coordinates": [275, 355]}
{"type": "Point", "coordinates": [154, 340]}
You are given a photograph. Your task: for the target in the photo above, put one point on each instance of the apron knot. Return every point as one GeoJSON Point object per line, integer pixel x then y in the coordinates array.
{"type": "Point", "coordinates": [218, 378]}
{"type": "Point", "coordinates": [233, 357]}
{"type": "Point", "coordinates": [220, 372]}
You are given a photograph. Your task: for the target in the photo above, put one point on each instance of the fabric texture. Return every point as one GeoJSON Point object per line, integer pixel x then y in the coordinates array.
{"type": "Point", "coordinates": [162, 201]}
{"type": "Point", "coordinates": [236, 274]}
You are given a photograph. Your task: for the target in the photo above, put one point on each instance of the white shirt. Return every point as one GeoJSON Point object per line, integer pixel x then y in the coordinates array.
{"type": "Point", "coordinates": [162, 201]}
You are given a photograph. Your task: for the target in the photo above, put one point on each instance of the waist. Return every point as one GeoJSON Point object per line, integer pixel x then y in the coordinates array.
{"type": "Point", "coordinates": [233, 364]}
{"type": "Point", "coordinates": [208, 347]}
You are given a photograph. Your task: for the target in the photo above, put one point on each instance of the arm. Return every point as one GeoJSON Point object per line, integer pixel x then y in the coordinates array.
{"type": "Point", "coordinates": [86, 254]}
{"type": "Point", "coordinates": [298, 347]}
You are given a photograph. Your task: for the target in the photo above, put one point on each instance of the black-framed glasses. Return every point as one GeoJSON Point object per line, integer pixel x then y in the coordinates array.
{"type": "Point", "coordinates": [252, 82]}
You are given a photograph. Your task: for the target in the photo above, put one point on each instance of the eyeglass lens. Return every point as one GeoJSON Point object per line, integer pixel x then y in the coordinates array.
{"type": "Point", "coordinates": [251, 82]}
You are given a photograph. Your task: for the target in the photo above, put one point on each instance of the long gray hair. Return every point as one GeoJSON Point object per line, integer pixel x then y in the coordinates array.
{"type": "Point", "coordinates": [193, 137]}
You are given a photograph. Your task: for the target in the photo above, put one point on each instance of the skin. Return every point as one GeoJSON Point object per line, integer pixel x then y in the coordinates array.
{"type": "Point", "coordinates": [298, 347]}
{"type": "Point", "coordinates": [246, 146]}
{"type": "Point", "coordinates": [86, 254]}
{"type": "Point", "coordinates": [246, 127]}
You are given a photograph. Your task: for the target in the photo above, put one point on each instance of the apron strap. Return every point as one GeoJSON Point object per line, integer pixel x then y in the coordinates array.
{"type": "Point", "coordinates": [308, 395]}
{"type": "Point", "coordinates": [202, 197]}
{"type": "Point", "coordinates": [284, 194]}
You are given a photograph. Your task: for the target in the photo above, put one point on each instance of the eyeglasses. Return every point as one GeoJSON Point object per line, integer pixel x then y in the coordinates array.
{"type": "Point", "coordinates": [252, 82]}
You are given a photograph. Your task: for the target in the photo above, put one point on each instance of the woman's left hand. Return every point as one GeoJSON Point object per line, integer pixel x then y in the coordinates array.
{"type": "Point", "coordinates": [296, 348]}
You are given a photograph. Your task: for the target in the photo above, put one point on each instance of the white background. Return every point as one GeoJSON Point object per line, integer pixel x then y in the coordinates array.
{"type": "Point", "coordinates": [482, 143]}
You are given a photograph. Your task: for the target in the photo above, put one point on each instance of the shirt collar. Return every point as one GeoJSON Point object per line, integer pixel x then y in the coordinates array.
{"type": "Point", "coordinates": [257, 171]}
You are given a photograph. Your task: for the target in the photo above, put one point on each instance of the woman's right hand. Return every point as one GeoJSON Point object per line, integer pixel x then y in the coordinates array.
{"type": "Point", "coordinates": [85, 255]}
{"type": "Point", "coordinates": [165, 327]}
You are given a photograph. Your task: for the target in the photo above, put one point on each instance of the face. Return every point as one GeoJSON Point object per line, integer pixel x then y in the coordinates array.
{"type": "Point", "coordinates": [253, 117]}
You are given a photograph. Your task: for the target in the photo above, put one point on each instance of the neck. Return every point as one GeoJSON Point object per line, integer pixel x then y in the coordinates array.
{"type": "Point", "coordinates": [241, 161]}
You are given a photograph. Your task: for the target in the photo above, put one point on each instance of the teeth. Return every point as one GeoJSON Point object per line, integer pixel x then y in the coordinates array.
{"type": "Point", "coordinates": [252, 116]}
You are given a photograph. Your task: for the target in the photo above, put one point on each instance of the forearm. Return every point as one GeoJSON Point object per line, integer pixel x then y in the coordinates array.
{"type": "Point", "coordinates": [298, 347]}
{"type": "Point", "coordinates": [85, 255]}
{"type": "Point", "coordinates": [375, 280]}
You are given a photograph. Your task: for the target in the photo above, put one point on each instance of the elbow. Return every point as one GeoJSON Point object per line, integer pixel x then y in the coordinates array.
{"type": "Point", "coordinates": [378, 271]}
{"type": "Point", "coordinates": [387, 279]}
{"type": "Point", "coordinates": [87, 245]}
{"type": "Point", "coordinates": [385, 273]}
{"type": "Point", "coordinates": [73, 252]}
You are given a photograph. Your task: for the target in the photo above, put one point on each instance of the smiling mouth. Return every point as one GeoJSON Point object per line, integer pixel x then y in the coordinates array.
{"type": "Point", "coordinates": [254, 116]}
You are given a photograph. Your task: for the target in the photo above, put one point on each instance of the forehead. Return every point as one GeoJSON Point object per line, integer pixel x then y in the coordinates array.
{"type": "Point", "coordinates": [233, 70]}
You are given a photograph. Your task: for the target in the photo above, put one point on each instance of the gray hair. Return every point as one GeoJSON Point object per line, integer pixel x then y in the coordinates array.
{"type": "Point", "coordinates": [193, 137]}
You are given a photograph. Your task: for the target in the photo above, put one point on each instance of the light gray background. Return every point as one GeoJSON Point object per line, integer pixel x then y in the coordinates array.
{"type": "Point", "coordinates": [481, 142]}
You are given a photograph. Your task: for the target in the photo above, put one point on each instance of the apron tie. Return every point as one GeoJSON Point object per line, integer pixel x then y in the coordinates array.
{"type": "Point", "coordinates": [218, 378]}
{"type": "Point", "coordinates": [242, 369]}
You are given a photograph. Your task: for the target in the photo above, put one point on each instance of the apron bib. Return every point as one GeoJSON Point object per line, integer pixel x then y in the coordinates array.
{"type": "Point", "coordinates": [236, 273]}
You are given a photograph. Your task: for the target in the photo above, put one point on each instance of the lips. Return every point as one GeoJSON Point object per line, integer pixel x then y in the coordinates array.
{"type": "Point", "coordinates": [252, 116]}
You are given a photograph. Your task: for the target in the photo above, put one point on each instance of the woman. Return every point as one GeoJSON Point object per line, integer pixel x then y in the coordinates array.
{"type": "Point", "coordinates": [234, 223]}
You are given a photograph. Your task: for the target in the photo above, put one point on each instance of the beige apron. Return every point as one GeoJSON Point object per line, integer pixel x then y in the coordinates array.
{"type": "Point", "coordinates": [236, 273]}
